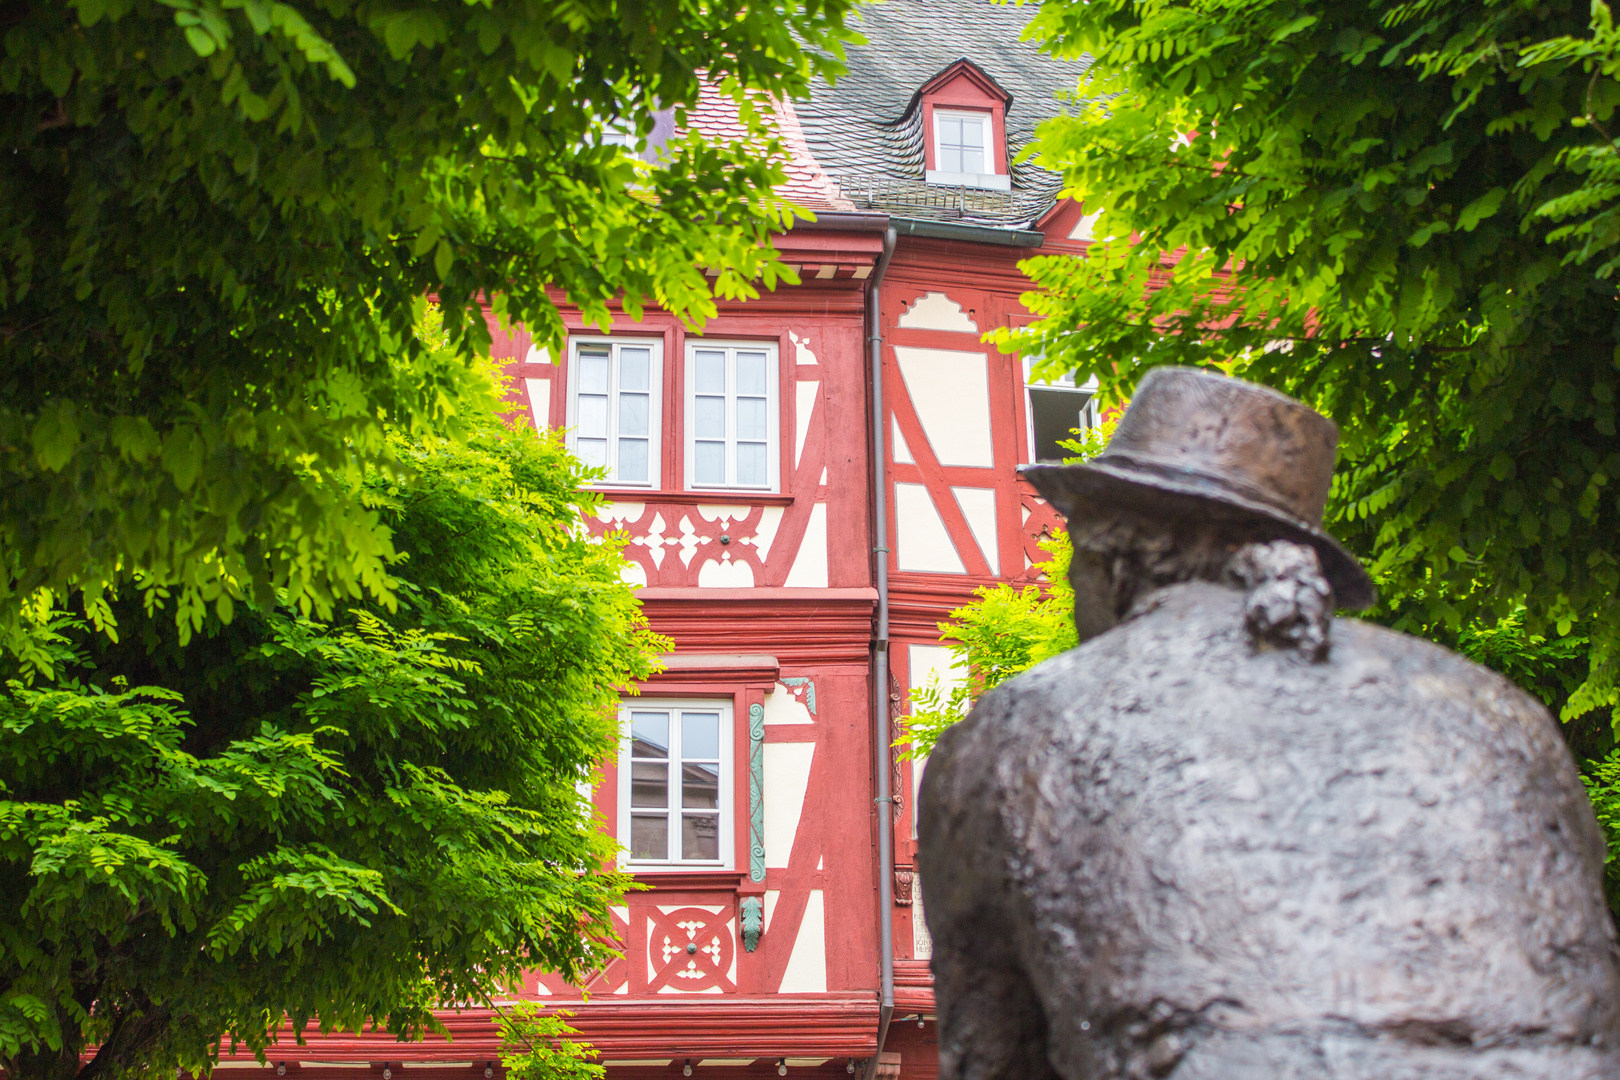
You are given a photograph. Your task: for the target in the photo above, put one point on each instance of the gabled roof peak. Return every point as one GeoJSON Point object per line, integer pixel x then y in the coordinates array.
{"type": "Point", "coordinates": [962, 69]}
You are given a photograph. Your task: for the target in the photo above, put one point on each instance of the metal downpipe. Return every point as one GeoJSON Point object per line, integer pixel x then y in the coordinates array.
{"type": "Point", "coordinates": [880, 659]}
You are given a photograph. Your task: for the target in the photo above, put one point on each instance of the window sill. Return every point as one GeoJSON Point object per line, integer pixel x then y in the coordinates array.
{"type": "Point", "coordinates": [728, 497]}
{"type": "Point", "coordinates": [987, 181]}
{"type": "Point", "coordinates": [688, 877]}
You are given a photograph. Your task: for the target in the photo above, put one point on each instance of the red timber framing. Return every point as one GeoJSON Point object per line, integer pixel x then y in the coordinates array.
{"type": "Point", "coordinates": [768, 957]}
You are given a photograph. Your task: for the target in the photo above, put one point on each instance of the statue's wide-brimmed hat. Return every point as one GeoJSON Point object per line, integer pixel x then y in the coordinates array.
{"type": "Point", "coordinates": [1230, 448]}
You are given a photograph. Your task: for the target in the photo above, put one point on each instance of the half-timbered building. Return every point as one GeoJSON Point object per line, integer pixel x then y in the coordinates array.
{"type": "Point", "coordinates": [808, 486]}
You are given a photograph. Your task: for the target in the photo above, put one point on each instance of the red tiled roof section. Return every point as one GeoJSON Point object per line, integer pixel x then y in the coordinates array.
{"type": "Point", "coordinates": [807, 185]}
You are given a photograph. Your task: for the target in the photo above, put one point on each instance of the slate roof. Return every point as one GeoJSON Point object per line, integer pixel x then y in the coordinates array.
{"type": "Point", "coordinates": [865, 135]}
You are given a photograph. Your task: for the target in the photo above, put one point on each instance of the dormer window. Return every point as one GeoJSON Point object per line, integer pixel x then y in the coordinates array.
{"type": "Point", "coordinates": [964, 116]}
{"type": "Point", "coordinates": [962, 141]}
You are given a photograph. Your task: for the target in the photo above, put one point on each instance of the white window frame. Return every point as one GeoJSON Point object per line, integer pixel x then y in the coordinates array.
{"type": "Point", "coordinates": [727, 825]}
{"type": "Point", "coordinates": [773, 413]}
{"type": "Point", "coordinates": [1088, 414]}
{"type": "Point", "coordinates": [991, 177]}
{"type": "Point", "coordinates": [655, 409]}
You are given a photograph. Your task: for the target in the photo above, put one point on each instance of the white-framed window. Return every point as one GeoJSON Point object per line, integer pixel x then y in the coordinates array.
{"type": "Point", "coordinates": [732, 415]}
{"type": "Point", "coordinates": [613, 406]}
{"type": "Point", "coordinates": [962, 142]}
{"type": "Point", "coordinates": [963, 153]}
{"type": "Point", "coordinates": [1054, 410]}
{"type": "Point", "coordinates": [675, 782]}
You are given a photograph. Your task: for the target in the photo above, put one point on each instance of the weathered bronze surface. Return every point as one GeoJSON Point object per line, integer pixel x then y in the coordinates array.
{"type": "Point", "coordinates": [1231, 837]}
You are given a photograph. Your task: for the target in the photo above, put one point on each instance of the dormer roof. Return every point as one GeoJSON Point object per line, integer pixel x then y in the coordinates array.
{"type": "Point", "coordinates": [962, 68]}
{"type": "Point", "coordinates": [866, 130]}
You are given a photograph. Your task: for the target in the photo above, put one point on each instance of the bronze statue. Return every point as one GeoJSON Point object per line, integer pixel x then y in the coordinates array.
{"type": "Point", "coordinates": [1230, 837]}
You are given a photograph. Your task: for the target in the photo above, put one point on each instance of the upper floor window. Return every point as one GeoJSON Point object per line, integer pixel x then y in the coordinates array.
{"type": "Point", "coordinates": [964, 128]}
{"type": "Point", "coordinates": [675, 782]}
{"type": "Point", "coordinates": [732, 415]}
{"type": "Point", "coordinates": [962, 141]}
{"type": "Point", "coordinates": [1055, 410]}
{"type": "Point", "coordinates": [614, 405]}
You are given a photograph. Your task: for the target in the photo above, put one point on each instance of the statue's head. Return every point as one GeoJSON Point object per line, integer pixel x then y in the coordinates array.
{"type": "Point", "coordinates": [1201, 470]}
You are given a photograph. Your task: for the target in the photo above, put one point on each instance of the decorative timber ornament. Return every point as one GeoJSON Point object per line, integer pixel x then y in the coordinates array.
{"type": "Point", "coordinates": [1231, 836]}
{"type": "Point", "coordinates": [756, 793]}
{"type": "Point", "coordinates": [752, 911]}
{"type": "Point", "coordinates": [904, 878]}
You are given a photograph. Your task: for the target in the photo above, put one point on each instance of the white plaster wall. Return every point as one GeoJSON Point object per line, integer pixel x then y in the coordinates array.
{"type": "Point", "coordinates": [810, 564]}
{"type": "Point", "coordinates": [979, 507]}
{"type": "Point", "coordinates": [806, 971]}
{"type": "Point", "coordinates": [804, 404]}
{"type": "Point", "coordinates": [632, 573]}
{"type": "Point", "coordinates": [1082, 228]}
{"type": "Point", "coordinates": [787, 777]}
{"type": "Point", "coordinates": [902, 452]}
{"type": "Point", "coordinates": [950, 390]}
{"type": "Point", "coordinates": [725, 573]}
{"type": "Point", "coordinates": [539, 401]}
{"type": "Point", "coordinates": [781, 707]}
{"type": "Point", "coordinates": [936, 311]}
{"type": "Point", "coordinates": [921, 542]}
{"type": "Point", "coordinates": [770, 519]}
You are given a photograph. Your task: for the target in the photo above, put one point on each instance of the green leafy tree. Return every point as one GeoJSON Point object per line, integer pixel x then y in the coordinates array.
{"type": "Point", "coordinates": [342, 822]}
{"type": "Point", "coordinates": [219, 218]}
{"type": "Point", "coordinates": [1404, 213]}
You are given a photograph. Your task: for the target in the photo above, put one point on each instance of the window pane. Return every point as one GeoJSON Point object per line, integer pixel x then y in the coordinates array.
{"type": "Point", "coordinates": [649, 836]}
{"type": "Point", "coordinates": [709, 372]}
{"type": "Point", "coordinates": [591, 451]}
{"type": "Point", "coordinates": [633, 366]}
{"type": "Point", "coordinates": [950, 158]}
{"type": "Point", "coordinates": [700, 836]}
{"type": "Point", "coordinates": [751, 463]}
{"type": "Point", "coordinates": [709, 418]}
{"type": "Point", "coordinates": [633, 461]}
{"type": "Point", "coordinates": [1054, 414]}
{"type": "Point", "coordinates": [972, 159]}
{"type": "Point", "coordinates": [592, 418]}
{"type": "Point", "coordinates": [649, 735]}
{"type": "Point", "coordinates": [950, 130]}
{"type": "Point", "coordinates": [750, 418]}
{"type": "Point", "coordinates": [751, 373]}
{"type": "Point", "coordinates": [700, 736]}
{"type": "Point", "coordinates": [593, 372]}
{"type": "Point", "coordinates": [649, 784]}
{"type": "Point", "coordinates": [973, 131]}
{"type": "Point", "coordinates": [633, 414]}
{"type": "Point", "coordinates": [700, 786]}
{"type": "Point", "coordinates": [709, 463]}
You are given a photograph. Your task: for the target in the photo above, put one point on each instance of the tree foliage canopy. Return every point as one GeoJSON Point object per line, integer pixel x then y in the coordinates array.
{"type": "Point", "coordinates": [219, 218]}
{"type": "Point", "coordinates": [1404, 213]}
{"type": "Point", "coordinates": [356, 820]}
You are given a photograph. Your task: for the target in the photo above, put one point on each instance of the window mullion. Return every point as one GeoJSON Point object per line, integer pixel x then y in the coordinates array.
{"type": "Point", "coordinates": [731, 418]}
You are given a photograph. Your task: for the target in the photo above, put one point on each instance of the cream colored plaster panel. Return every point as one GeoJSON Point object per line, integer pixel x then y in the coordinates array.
{"type": "Point", "coordinates": [804, 404]}
{"type": "Point", "coordinates": [781, 707]}
{"type": "Point", "coordinates": [770, 519]}
{"type": "Point", "coordinates": [936, 311]}
{"type": "Point", "coordinates": [921, 542]}
{"type": "Point", "coordinates": [950, 390]}
{"type": "Point", "coordinates": [806, 971]}
{"type": "Point", "coordinates": [902, 452]}
{"type": "Point", "coordinates": [787, 777]}
{"type": "Point", "coordinates": [979, 507]}
{"type": "Point", "coordinates": [725, 573]}
{"type": "Point", "coordinates": [810, 564]}
{"type": "Point", "coordinates": [539, 401]}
